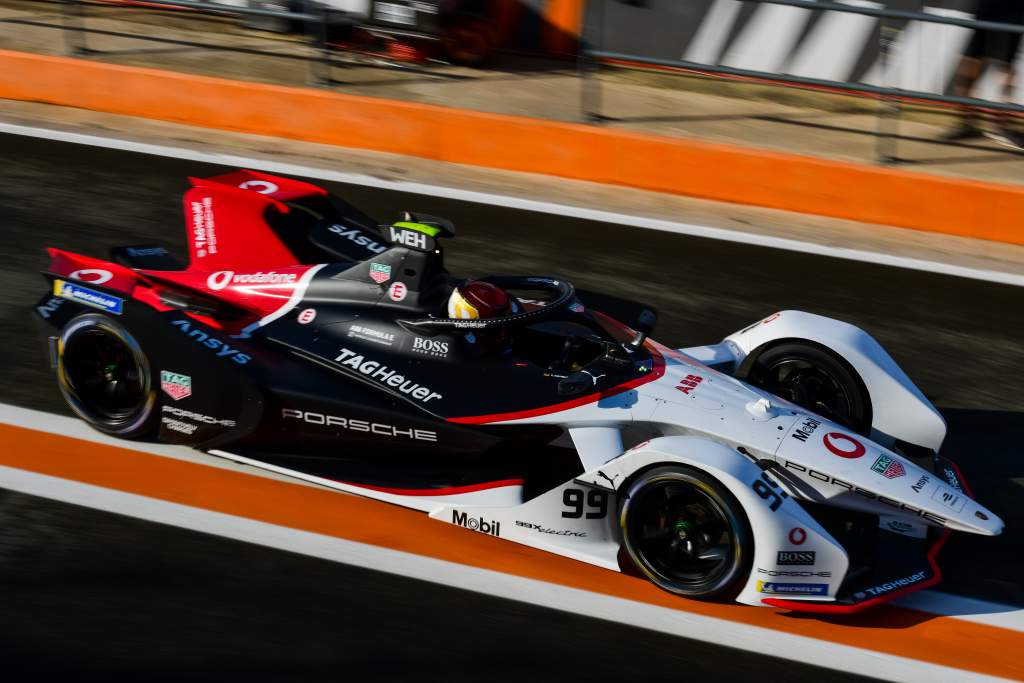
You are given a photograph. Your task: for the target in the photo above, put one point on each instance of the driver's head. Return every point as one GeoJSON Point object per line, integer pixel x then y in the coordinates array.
{"type": "Point", "coordinates": [476, 299]}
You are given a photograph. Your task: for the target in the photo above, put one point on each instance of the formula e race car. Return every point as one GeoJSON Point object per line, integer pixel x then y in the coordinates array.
{"type": "Point", "coordinates": [793, 464]}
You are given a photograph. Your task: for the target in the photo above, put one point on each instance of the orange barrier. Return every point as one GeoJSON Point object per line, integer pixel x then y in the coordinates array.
{"type": "Point", "coordinates": [906, 633]}
{"type": "Point", "coordinates": [699, 169]}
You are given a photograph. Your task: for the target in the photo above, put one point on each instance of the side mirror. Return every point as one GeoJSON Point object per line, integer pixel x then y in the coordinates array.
{"type": "Point", "coordinates": [576, 383]}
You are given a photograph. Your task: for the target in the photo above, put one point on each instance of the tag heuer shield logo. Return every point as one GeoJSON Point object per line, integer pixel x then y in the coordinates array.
{"type": "Point", "coordinates": [174, 385]}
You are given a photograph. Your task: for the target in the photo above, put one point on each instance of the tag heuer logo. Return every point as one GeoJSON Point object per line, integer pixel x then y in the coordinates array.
{"type": "Point", "coordinates": [174, 385]}
{"type": "Point", "coordinates": [795, 557]}
{"type": "Point", "coordinates": [888, 467]}
{"type": "Point", "coordinates": [380, 272]}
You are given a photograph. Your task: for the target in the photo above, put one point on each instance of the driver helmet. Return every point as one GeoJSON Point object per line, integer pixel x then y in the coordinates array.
{"type": "Point", "coordinates": [475, 299]}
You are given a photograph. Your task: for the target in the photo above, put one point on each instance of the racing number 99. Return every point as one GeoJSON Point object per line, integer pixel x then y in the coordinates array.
{"type": "Point", "coordinates": [574, 499]}
{"type": "Point", "coordinates": [764, 488]}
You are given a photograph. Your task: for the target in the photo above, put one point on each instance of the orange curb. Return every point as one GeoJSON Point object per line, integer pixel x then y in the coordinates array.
{"type": "Point", "coordinates": [707, 170]}
{"type": "Point", "coordinates": [902, 632]}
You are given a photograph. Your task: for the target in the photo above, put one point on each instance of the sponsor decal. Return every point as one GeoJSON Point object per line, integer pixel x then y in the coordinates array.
{"type": "Point", "coordinates": [306, 316]}
{"type": "Point", "coordinates": [806, 428]}
{"type": "Point", "coordinates": [689, 383]}
{"type": "Point", "coordinates": [371, 335]}
{"type": "Point", "coordinates": [397, 291]}
{"type": "Point", "coordinates": [358, 237]}
{"type": "Point", "coordinates": [772, 318]}
{"type": "Point", "coordinates": [801, 573]}
{"type": "Point", "coordinates": [430, 347]}
{"type": "Point", "coordinates": [576, 307]}
{"type": "Point", "coordinates": [178, 425]}
{"type": "Point", "coordinates": [380, 272]}
{"type": "Point", "coordinates": [148, 251]}
{"type": "Point", "coordinates": [776, 588]}
{"type": "Point", "coordinates": [769, 489]}
{"type": "Point", "coordinates": [844, 446]}
{"type": "Point", "coordinates": [890, 586]}
{"type": "Point", "coordinates": [480, 524]}
{"type": "Point", "coordinates": [204, 229]}
{"type": "Point", "coordinates": [261, 186]}
{"type": "Point", "coordinates": [49, 308]}
{"type": "Point", "coordinates": [175, 385]}
{"type": "Point", "coordinates": [96, 276]}
{"type": "Point", "coordinates": [869, 495]}
{"type": "Point", "coordinates": [471, 324]}
{"type": "Point", "coordinates": [797, 536]}
{"type": "Point", "coordinates": [953, 480]}
{"type": "Point", "coordinates": [198, 417]}
{"type": "Point", "coordinates": [409, 238]}
{"type": "Point", "coordinates": [363, 426]}
{"type": "Point", "coordinates": [88, 297]}
{"type": "Point", "coordinates": [221, 348]}
{"type": "Point", "coordinates": [950, 498]}
{"type": "Point", "coordinates": [554, 532]}
{"type": "Point", "coordinates": [223, 278]}
{"type": "Point", "coordinates": [796, 557]}
{"type": "Point", "coordinates": [921, 483]}
{"type": "Point", "coordinates": [385, 375]}
{"type": "Point", "coordinates": [888, 467]}
{"type": "Point", "coordinates": [898, 526]}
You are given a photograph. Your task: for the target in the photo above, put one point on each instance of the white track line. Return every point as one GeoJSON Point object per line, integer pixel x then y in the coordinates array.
{"type": "Point", "coordinates": [674, 622]}
{"type": "Point", "coordinates": [933, 602]}
{"type": "Point", "coordinates": [756, 239]}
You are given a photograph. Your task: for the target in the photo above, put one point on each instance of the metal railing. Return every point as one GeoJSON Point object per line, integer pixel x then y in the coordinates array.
{"type": "Point", "coordinates": [316, 21]}
{"type": "Point", "coordinates": [890, 97]}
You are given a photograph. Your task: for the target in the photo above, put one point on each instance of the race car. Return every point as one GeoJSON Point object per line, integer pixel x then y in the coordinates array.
{"type": "Point", "coordinates": [793, 464]}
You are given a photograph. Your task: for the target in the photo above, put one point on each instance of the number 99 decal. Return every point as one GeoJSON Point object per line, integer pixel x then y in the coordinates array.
{"type": "Point", "coordinates": [594, 505]}
{"type": "Point", "coordinates": [764, 487]}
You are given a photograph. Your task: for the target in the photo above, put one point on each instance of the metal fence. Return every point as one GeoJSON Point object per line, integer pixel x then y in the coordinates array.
{"type": "Point", "coordinates": [593, 56]}
{"type": "Point", "coordinates": [316, 19]}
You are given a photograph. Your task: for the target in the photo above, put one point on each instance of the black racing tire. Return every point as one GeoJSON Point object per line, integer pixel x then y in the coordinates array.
{"type": "Point", "coordinates": [686, 533]}
{"type": "Point", "coordinates": [815, 378]}
{"type": "Point", "coordinates": [105, 377]}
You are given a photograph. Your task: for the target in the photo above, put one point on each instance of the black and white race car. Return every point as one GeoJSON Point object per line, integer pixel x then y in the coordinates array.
{"type": "Point", "coordinates": [793, 464]}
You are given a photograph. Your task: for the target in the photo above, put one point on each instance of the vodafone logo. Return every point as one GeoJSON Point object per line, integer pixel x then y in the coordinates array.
{"type": "Point", "coordinates": [797, 536]}
{"type": "Point", "coordinates": [261, 186]}
{"type": "Point", "coordinates": [397, 291]}
{"type": "Point", "coordinates": [307, 316]}
{"type": "Point", "coordinates": [222, 278]}
{"type": "Point", "coordinates": [844, 446]}
{"type": "Point", "coordinates": [95, 276]}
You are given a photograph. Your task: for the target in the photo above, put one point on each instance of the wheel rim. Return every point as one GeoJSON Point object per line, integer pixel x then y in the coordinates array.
{"type": "Point", "coordinates": [809, 386]}
{"type": "Point", "coordinates": [682, 535]}
{"type": "Point", "coordinates": [104, 376]}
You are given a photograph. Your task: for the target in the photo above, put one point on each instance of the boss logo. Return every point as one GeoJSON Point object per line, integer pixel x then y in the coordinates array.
{"type": "Point", "coordinates": [795, 557]}
{"type": "Point", "coordinates": [430, 347]}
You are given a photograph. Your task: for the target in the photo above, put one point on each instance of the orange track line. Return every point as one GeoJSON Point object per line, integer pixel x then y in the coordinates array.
{"type": "Point", "coordinates": [598, 154]}
{"type": "Point", "coordinates": [902, 632]}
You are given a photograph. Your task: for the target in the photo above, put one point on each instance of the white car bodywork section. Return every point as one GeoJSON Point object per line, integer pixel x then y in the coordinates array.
{"type": "Point", "coordinates": [899, 409]}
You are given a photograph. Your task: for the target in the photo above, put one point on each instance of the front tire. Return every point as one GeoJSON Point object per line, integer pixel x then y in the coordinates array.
{"type": "Point", "coordinates": [815, 378]}
{"type": "Point", "coordinates": [687, 533]}
{"type": "Point", "coordinates": [105, 377]}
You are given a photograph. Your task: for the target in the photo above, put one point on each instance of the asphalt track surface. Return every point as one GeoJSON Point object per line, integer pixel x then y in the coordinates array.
{"type": "Point", "coordinates": [150, 598]}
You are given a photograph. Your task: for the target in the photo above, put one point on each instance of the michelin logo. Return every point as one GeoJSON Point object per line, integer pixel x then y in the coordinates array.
{"type": "Point", "coordinates": [88, 297]}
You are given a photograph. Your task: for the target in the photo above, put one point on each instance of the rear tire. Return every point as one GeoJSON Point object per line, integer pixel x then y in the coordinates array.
{"type": "Point", "coordinates": [815, 378]}
{"type": "Point", "coordinates": [105, 377]}
{"type": "Point", "coordinates": [687, 533]}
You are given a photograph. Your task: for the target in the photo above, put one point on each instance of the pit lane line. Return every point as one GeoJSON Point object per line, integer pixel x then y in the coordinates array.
{"type": "Point", "coordinates": [511, 202]}
{"type": "Point", "coordinates": [760, 630]}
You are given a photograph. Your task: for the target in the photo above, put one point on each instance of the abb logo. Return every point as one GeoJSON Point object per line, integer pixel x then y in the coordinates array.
{"type": "Point", "coordinates": [689, 383]}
